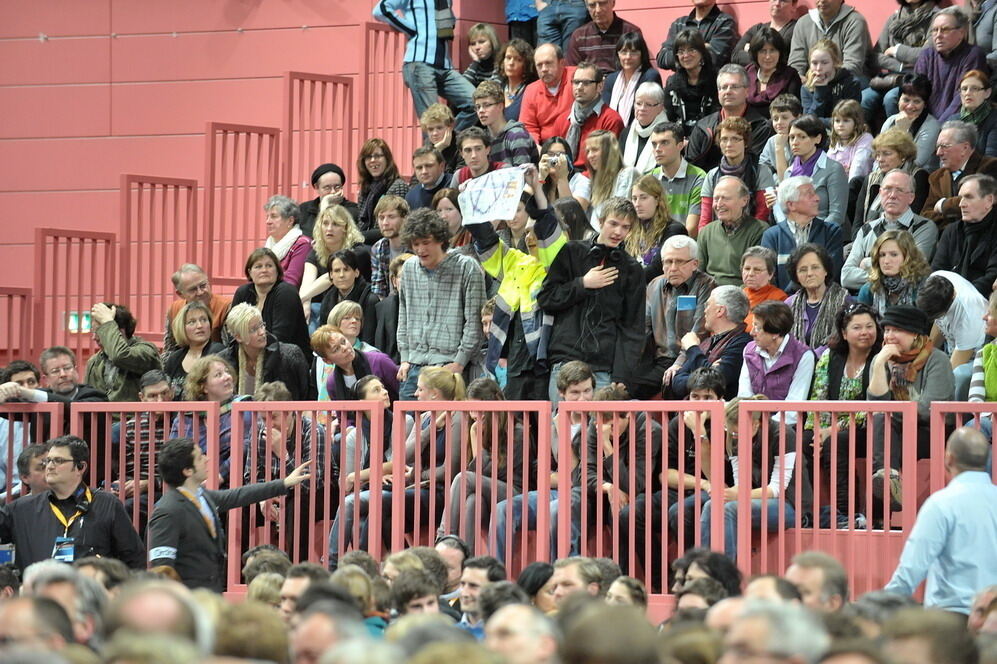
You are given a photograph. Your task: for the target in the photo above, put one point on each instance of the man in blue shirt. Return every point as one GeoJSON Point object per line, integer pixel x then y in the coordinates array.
{"type": "Point", "coordinates": [955, 529]}
{"type": "Point", "coordinates": [427, 69]}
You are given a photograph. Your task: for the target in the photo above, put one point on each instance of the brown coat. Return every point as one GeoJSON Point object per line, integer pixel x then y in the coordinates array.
{"type": "Point", "coordinates": [941, 186]}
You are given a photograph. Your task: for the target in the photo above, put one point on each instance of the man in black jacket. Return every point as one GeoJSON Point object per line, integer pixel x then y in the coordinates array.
{"type": "Point", "coordinates": [595, 291]}
{"type": "Point", "coordinates": [186, 532]}
{"type": "Point", "coordinates": [969, 247]}
{"type": "Point", "coordinates": [69, 521]}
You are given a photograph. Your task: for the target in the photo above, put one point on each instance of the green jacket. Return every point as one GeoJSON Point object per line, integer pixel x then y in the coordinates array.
{"type": "Point", "coordinates": [119, 365]}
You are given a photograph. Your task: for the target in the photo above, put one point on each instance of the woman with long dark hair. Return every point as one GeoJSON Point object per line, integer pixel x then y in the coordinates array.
{"type": "Point", "coordinates": [378, 177]}
{"type": "Point", "coordinates": [769, 75]}
{"type": "Point", "coordinates": [691, 92]}
{"type": "Point", "coordinates": [633, 67]}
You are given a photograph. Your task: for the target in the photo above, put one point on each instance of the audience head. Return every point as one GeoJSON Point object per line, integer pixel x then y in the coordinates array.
{"type": "Point", "coordinates": [323, 626]}
{"type": "Point", "coordinates": [679, 259]}
{"type": "Point", "coordinates": [211, 378]}
{"type": "Point", "coordinates": [896, 193]}
{"type": "Point", "coordinates": [726, 307]}
{"type": "Point", "coordinates": [497, 594]}
{"type": "Point", "coordinates": [734, 136]}
{"type": "Point", "coordinates": [716, 566]}
{"type": "Point", "coordinates": [627, 591]}
{"type": "Point", "coordinates": [935, 296]}
{"type": "Point", "coordinates": [572, 575]}
{"type": "Point", "coordinates": [810, 266]}
{"type": "Point", "coordinates": [691, 53]}
{"type": "Point", "coordinates": [328, 179]}
{"type": "Point", "coordinates": [956, 144]}
{"type": "Point", "coordinates": [778, 631]}
{"type": "Point", "coordinates": [700, 594]}
{"type": "Point", "coordinates": [415, 591]}
{"type": "Point", "coordinates": [482, 41]}
{"type": "Point", "coordinates": [21, 372]}
{"type": "Point", "coordinates": [609, 635]}
{"type": "Point", "coordinates": [515, 62]}
{"type": "Point", "coordinates": [282, 215]}
{"type": "Point", "coordinates": [768, 50]}
{"type": "Point", "coordinates": [437, 121]}
{"type": "Point", "coordinates": [549, 62]}
{"type": "Point", "coordinates": [335, 230]}
{"type": "Point", "coordinates": [974, 89]}
{"type": "Point", "coordinates": [428, 236]}
{"type": "Point", "coordinates": [454, 552]}
{"type": "Point", "coordinates": [976, 197]}
{"type": "Point", "coordinates": [821, 580]}
{"type": "Point", "coordinates": [619, 216]}
{"type": "Point", "coordinates": [896, 254]}
{"type": "Point", "coordinates": [191, 283]}
{"type": "Point", "coordinates": [757, 267]}
{"type": "Point", "coordinates": [798, 198]}
{"type": "Point", "coordinates": [771, 588]}
{"type": "Point", "coordinates": [783, 110]}
{"type": "Point", "coordinates": [874, 608]}
{"type": "Point", "coordinates": [730, 199]}
{"type": "Point", "coordinates": [35, 623]}
{"type": "Point", "coordinates": [649, 99]}
{"type": "Point", "coordinates": [445, 202]}
{"type": "Point", "coordinates": [928, 635]}
{"type": "Point", "coordinates": [68, 459]}
{"type": "Point", "coordinates": [829, 9]}
{"type": "Point", "coordinates": [522, 635]}
{"type": "Point", "coordinates": [949, 29]}
{"type": "Point", "coordinates": [706, 384]}
{"type": "Point", "coordinates": [668, 141]}
{"type": "Point", "coordinates": [536, 581]}
{"type": "Point", "coordinates": [915, 91]}
{"type": "Point", "coordinates": [398, 562]}
{"type": "Point", "coordinates": [856, 326]}
{"type": "Point", "coordinates": [263, 268]}
{"type": "Point", "coordinates": [847, 122]}
{"type": "Point", "coordinates": [980, 608]}
{"type": "Point", "coordinates": [732, 86]}
{"type": "Point", "coordinates": [602, 153]}
{"type": "Point", "coordinates": [906, 327]}
{"type": "Point", "coordinates": [806, 136]}
{"type": "Point", "coordinates": [772, 321]}
{"type": "Point", "coordinates": [489, 103]}
{"type": "Point", "coordinates": [586, 83]}
{"type": "Point", "coordinates": [824, 61]}
{"type": "Point", "coordinates": [632, 53]}
{"type": "Point", "coordinates": [299, 577]}
{"type": "Point", "coordinates": [31, 467]}
{"type": "Point", "coordinates": [391, 212]}
{"type": "Point", "coordinates": [191, 326]}
{"type": "Point", "coordinates": [967, 450]}
{"type": "Point", "coordinates": [375, 162]}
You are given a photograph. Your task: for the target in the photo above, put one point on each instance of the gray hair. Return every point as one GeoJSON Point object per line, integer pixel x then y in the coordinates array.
{"type": "Point", "coordinates": [733, 300]}
{"type": "Point", "coordinates": [789, 190]}
{"type": "Point", "coordinates": [900, 171]}
{"type": "Point", "coordinates": [742, 189]}
{"type": "Point", "coordinates": [678, 242]}
{"type": "Point", "coordinates": [344, 617]}
{"type": "Point", "coordinates": [183, 269]}
{"type": "Point", "coordinates": [286, 207]}
{"type": "Point", "coordinates": [965, 132]}
{"type": "Point", "coordinates": [766, 254]}
{"type": "Point", "coordinates": [958, 15]}
{"type": "Point", "coordinates": [986, 183]}
{"type": "Point", "coordinates": [363, 651]}
{"type": "Point", "coordinates": [91, 598]}
{"type": "Point", "coordinates": [734, 70]}
{"type": "Point", "coordinates": [42, 573]}
{"type": "Point", "coordinates": [651, 89]}
{"type": "Point", "coordinates": [793, 630]}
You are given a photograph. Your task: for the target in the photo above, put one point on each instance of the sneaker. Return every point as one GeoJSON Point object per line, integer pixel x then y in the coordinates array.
{"type": "Point", "coordinates": [896, 489]}
{"type": "Point", "coordinates": [858, 523]}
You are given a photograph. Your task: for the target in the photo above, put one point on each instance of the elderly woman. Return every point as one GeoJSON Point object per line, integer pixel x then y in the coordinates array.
{"type": "Point", "coordinates": [768, 74]}
{"type": "Point", "coordinates": [191, 328]}
{"type": "Point", "coordinates": [336, 231]}
{"type": "Point", "coordinates": [916, 120]}
{"type": "Point", "coordinates": [757, 271]}
{"type": "Point", "coordinates": [691, 92]}
{"type": "Point", "coordinates": [776, 364]}
{"type": "Point", "coordinates": [329, 181]}
{"type": "Point", "coordinates": [259, 357]}
{"type": "Point", "coordinates": [820, 297]}
{"type": "Point", "coordinates": [908, 368]}
{"type": "Point", "coordinates": [277, 300]}
{"type": "Point", "coordinates": [634, 69]}
{"type": "Point", "coordinates": [977, 109]}
{"type": "Point", "coordinates": [348, 284]}
{"type": "Point", "coordinates": [897, 270]}
{"type": "Point", "coordinates": [808, 141]}
{"type": "Point", "coordinates": [514, 71]}
{"type": "Point", "coordinates": [894, 149]}
{"type": "Point", "coordinates": [649, 111]}
{"type": "Point", "coordinates": [350, 365]}
{"type": "Point", "coordinates": [378, 177]}
{"type": "Point", "coordinates": [285, 239]}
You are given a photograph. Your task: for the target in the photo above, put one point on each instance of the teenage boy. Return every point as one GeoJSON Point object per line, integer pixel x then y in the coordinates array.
{"type": "Point", "coordinates": [511, 143]}
{"type": "Point", "coordinates": [776, 154]}
{"type": "Point", "coordinates": [391, 213]}
{"type": "Point", "coordinates": [474, 143]}
{"type": "Point", "coordinates": [437, 125]}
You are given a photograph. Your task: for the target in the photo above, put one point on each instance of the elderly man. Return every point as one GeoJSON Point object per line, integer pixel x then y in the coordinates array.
{"type": "Point", "coordinates": [588, 112]}
{"type": "Point", "coordinates": [676, 302]}
{"type": "Point", "coordinates": [842, 24]}
{"type": "Point", "coordinates": [547, 100]}
{"type": "Point", "coordinates": [953, 527]}
{"type": "Point", "coordinates": [324, 625]}
{"type": "Point", "coordinates": [596, 40]}
{"type": "Point", "coordinates": [947, 59]}
{"type": "Point", "coordinates": [522, 635]}
{"type": "Point", "coordinates": [800, 202]}
{"type": "Point", "coordinates": [821, 580]}
{"type": "Point", "coordinates": [682, 182]}
{"type": "Point", "coordinates": [724, 240]}
{"type": "Point", "coordinates": [958, 158]}
{"type": "Point", "coordinates": [896, 194]}
{"type": "Point", "coordinates": [191, 283]}
{"type": "Point", "coordinates": [718, 29]}
{"type": "Point", "coordinates": [969, 247]}
{"type": "Point", "coordinates": [732, 88]}
{"type": "Point", "coordinates": [775, 632]}
{"type": "Point", "coordinates": [649, 110]}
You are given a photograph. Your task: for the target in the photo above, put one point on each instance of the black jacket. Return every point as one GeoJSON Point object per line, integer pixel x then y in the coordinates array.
{"type": "Point", "coordinates": [970, 250]}
{"type": "Point", "coordinates": [386, 333]}
{"type": "Point", "coordinates": [283, 362]}
{"type": "Point", "coordinates": [179, 536]}
{"type": "Point", "coordinates": [362, 295]}
{"type": "Point", "coordinates": [704, 151]}
{"type": "Point", "coordinates": [603, 327]}
{"type": "Point", "coordinates": [282, 313]}
{"type": "Point", "coordinates": [308, 213]}
{"type": "Point", "coordinates": [104, 530]}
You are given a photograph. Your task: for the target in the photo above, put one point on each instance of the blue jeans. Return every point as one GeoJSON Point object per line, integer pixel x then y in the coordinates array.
{"type": "Point", "coordinates": [575, 497]}
{"type": "Point", "coordinates": [891, 102]}
{"type": "Point", "coordinates": [730, 521]}
{"type": "Point", "coordinates": [962, 375]}
{"type": "Point", "coordinates": [345, 515]}
{"type": "Point", "coordinates": [558, 20]}
{"type": "Point", "coordinates": [427, 83]}
{"type": "Point", "coordinates": [501, 519]}
{"type": "Point", "coordinates": [602, 379]}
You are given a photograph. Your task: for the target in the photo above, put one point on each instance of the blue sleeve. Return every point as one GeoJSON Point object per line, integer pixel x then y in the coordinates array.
{"type": "Point", "coordinates": [384, 11]}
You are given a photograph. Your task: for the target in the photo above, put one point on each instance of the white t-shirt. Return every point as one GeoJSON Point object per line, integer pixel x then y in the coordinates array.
{"type": "Point", "coordinates": [963, 326]}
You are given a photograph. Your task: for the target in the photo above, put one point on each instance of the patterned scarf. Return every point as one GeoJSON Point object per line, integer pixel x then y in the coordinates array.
{"type": "Point", "coordinates": [823, 325]}
{"type": "Point", "coordinates": [577, 117]}
{"type": "Point", "coordinates": [893, 291]}
{"type": "Point", "coordinates": [904, 369]}
{"type": "Point", "coordinates": [910, 24]}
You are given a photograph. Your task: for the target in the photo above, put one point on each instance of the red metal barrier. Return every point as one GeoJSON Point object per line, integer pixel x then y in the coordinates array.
{"type": "Point", "coordinates": [158, 234]}
{"type": "Point", "coordinates": [22, 424]}
{"type": "Point", "coordinates": [386, 109]}
{"type": "Point", "coordinates": [124, 439]}
{"type": "Point", "coordinates": [16, 341]}
{"type": "Point", "coordinates": [73, 271]}
{"type": "Point", "coordinates": [241, 172]}
{"type": "Point", "coordinates": [946, 416]}
{"type": "Point", "coordinates": [318, 128]}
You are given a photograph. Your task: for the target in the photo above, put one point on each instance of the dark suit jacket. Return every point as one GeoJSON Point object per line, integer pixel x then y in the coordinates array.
{"type": "Point", "coordinates": [179, 537]}
{"type": "Point", "coordinates": [940, 186]}
{"type": "Point", "coordinates": [971, 251]}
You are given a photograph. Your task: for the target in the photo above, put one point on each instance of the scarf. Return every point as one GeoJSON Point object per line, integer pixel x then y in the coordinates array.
{"type": "Point", "coordinates": [282, 246]}
{"type": "Point", "coordinates": [644, 161]}
{"type": "Point", "coordinates": [715, 346]}
{"type": "Point", "coordinates": [904, 369]}
{"type": "Point", "coordinates": [374, 190]}
{"type": "Point", "coordinates": [805, 167]}
{"type": "Point", "coordinates": [989, 354]}
{"type": "Point", "coordinates": [623, 96]}
{"type": "Point", "coordinates": [893, 291]}
{"type": "Point", "coordinates": [577, 117]}
{"type": "Point", "coordinates": [361, 368]}
{"type": "Point", "coordinates": [737, 171]}
{"type": "Point", "coordinates": [823, 325]}
{"type": "Point", "coordinates": [910, 25]}
{"type": "Point", "coordinates": [977, 115]}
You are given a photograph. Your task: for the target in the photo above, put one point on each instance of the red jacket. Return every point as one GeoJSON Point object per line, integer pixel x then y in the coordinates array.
{"type": "Point", "coordinates": [540, 109]}
{"type": "Point", "coordinates": [607, 119]}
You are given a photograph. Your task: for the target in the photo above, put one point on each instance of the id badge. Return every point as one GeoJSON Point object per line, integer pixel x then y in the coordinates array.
{"type": "Point", "coordinates": [64, 549]}
{"type": "Point", "coordinates": [7, 554]}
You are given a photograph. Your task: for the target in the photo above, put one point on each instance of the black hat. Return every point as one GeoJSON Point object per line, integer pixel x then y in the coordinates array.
{"type": "Point", "coordinates": [327, 168]}
{"type": "Point", "coordinates": [907, 318]}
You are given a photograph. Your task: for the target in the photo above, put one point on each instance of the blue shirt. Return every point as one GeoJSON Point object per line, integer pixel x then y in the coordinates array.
{"type": "Point", "coordinates": [953, 544]}
{"type": "Point", "coordinates": [520, 10]}
{"type": "Point", "coordinates": [419, 23]}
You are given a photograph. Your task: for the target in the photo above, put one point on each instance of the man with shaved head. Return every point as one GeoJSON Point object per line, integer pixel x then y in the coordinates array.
{"type": "Point", "coordinates": [953, 530]}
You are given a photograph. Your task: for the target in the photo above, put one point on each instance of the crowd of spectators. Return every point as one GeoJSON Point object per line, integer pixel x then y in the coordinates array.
{"type": "Point", "coordinates": [799, 213]}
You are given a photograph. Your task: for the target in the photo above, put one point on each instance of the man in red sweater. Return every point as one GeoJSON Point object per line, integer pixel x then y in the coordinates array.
{"type": "Point", "coordinates": [547, 99]}
{"type": "Point", "coordinates": [588, 112]}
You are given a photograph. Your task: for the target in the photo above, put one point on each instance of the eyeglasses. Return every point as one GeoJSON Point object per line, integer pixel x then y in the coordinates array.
{"type": "Point", "coordinates": [376, 155]}
{"type": "Point", "coordinates": [946, 146]}
{"type": "Point", "coordinates": [55, 461]}
{"type": "Point", "coordinates": [646, 104]}
{"type": "Point", "coordinates": [676, 262]}
{"type": "Point", "coordinates": [329, 188]}
{"type": "Point", "coordinates": [971, 88]}
{"type": "Point", "coordinates": [893, 190]}
{"type": "Point", "coordinates": [253, 329]}
{"type": "Point", "coordinates": [943, 29]}
{"type": "Point", "coordinates": [730, 87]}
{"type": "Point", "coordinates": [583, 81]}
{"type": "Point", "coordinates": [485, 106]}
{"type": "Point", "coordinates": [197, 288]}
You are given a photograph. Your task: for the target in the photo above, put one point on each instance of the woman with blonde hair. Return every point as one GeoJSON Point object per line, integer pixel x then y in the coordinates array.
{"type": "Point", "coordinates": [654, 225]}
{"type": "Point", "coordinates": [604, 167]}
{"type": "Point", "coordinates": [335, 231]}
{"type": "Point", "coordinates": [827, 81]}
{"type": "Point", "coordinates": [191, 329]}
{"type": "Point", "coordinates": [897, 271]}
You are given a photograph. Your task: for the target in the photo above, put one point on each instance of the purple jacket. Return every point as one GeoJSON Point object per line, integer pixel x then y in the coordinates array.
{"type": "Point", "coordinates": [380, 365]}
{"type": "Point", "coordinates": [774, 382]}
{"type": "Point", "coordinates": [945, 72]}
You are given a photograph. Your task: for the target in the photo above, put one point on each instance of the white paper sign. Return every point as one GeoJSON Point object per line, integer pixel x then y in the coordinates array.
{"type": "Point", "coordinates": [492, 196]}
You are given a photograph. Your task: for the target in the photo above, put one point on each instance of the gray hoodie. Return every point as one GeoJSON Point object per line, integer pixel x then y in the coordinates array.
{"type": "Point", "coordinates": [848, 30]}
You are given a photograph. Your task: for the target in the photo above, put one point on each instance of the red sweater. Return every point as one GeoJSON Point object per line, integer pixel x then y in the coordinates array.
{"type": "Point", "coordinates": [607, 119]}
{"type": "Point", "coordinates": [541, 109]}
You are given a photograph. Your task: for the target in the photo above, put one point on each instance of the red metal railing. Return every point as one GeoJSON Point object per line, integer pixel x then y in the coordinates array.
{"type": "Point", "coordinates": [22, 424]}
{"type": "Point", "coordinates": [16, 341]}
{"type": "Point", "coordinates": [158, 232]}
{"type": "Point", "coordinates": [73, 271]}
{"type": "Point", "coordinates": [317, 128]}
{"type": "Point", "coordinates": [946, 416]}
{"type": "Point", "coordinates": [241, 172]}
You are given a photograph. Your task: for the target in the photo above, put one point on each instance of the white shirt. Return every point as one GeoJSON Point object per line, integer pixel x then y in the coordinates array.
{"type": "Point", "coordinates": [962, 326]}
{"type": "Point", "coordinates": [799, 388]}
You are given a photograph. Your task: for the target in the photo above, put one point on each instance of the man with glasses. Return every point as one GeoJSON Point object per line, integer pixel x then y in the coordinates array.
{"type": "Point", "coordinates": [732, 88]}
{"type": "Point", "coordinates": [70, 520]}
{"type": "Point", "coordinates": [588, 112]}
{"type": "Point", "coordinates": [958, 158]}
{"type": "Point", "coordinates": [511, 143]}
{"type": "Point", "coordinates": [896, 193]}
{"type": "Point", "coordinates": [329, 182]}
{"type": "Point", "coordinates": [944, 62]}
{"type": "Point", "coordinates": [191, 283]}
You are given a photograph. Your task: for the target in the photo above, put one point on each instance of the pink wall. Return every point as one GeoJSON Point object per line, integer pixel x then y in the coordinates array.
{"type": "Point", "coordinates": [93, 90]}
